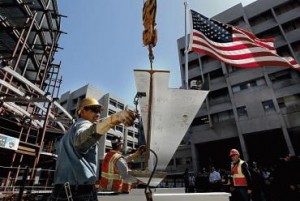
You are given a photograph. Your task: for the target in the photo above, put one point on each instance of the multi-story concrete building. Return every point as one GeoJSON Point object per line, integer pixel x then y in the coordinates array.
{"type": "Point", "coordinates": [112, 104]}
{"type": "Point", "coordinates": [254, 110]}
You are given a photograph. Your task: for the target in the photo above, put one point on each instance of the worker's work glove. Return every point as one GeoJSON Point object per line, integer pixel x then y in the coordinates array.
{"type": "Point", "coordinates": [125, 117]}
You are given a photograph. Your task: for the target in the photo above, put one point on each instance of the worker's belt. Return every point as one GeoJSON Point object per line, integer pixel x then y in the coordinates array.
{"type": "Point", "coordinates": [82, 189]}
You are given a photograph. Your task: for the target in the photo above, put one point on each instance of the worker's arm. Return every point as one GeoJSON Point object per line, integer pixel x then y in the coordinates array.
{"type": "Point", "coordinates": [136, 154]}
{"type": "Point", "coordinates": [122, 168]}
{"type": "Point", "coordinates": [87, 134]}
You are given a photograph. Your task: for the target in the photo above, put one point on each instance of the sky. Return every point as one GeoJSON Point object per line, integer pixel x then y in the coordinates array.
{"type": "Point", "coordinates": [103, 44]}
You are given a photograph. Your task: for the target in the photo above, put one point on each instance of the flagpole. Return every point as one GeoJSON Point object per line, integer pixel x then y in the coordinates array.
{"type": "Point", "coordinates": [186, 46]}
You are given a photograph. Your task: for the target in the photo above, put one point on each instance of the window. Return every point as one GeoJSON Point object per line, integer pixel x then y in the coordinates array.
{"type": "Point", "coordinates": [261, 18]}
{"type": "Point", "coordinates": [216, 74]}
{"type": "Point", "coordinates": [194, 64]}
{"type": "Point", "coordinates": [280, 76]}
{"type": "Point", "coordinates": [242, 111]}
{"type": "Point", "coordinates": [188, 160]}
{"type": "Point", "coordinates": [296, 46]}
{"type": "Point", "coordinates": [219, 96]}
{"type": "Point", "coordinates": [249, 85]}
{"type": "Point", "coordinates": [238, 22]}
{"type": "Point", "coordinates": [120, 106]}
{"type": "Point", "coordinates": [271, 33]}
{"type": "Point", "coordinates": [64, 104]}
{"type": "Point", "coordinates": [109, 136]}
{"type": "Point", "coordinates": [268, 106]}
{"type": "Point", "coordinates": [179, 161]}
{"type": "Point", "coordinates": [281, 103]}
{"type": "Point", "coordinates": [81, 97]}
{"type": "Point", "coordinates": [284, 51]}
{"type": "Point", "coordinates": [291, 25]}
{"type": "Point", "coordinates": [200, 121]}
{"type": "Point", "coordinates": [74, 101]}
{"type": "Point", "coordinates": [290, 5]}
{"type": "Point", "coordinates": [130, 133]}
{"type": "Point", "coordinates": [119, 128]}
{"type": "Point", "coordinates": [232, 69]}
{"type": "Point", "coordinates": [113, 102]}
{"type": "Point", "coordinates": [110, 112]}
{"type": "Point", "coordinates": [222, 116]}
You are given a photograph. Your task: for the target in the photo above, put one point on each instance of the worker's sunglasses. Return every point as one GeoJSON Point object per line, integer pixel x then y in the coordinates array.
{"type": "Point", "coordinates": [93, 109]}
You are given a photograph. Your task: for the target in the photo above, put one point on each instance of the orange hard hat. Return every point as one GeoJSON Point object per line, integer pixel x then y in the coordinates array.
{"type": "Point", "coordinates": [234, 152]}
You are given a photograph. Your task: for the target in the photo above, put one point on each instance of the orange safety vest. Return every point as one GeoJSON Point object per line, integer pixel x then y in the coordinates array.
{"type": "Point", "coordinates": [238, 177]}
{"type": "Point", "coordinates": [110, 178]}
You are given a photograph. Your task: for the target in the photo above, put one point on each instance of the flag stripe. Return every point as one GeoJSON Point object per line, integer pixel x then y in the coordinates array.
{"type": "Point", "coordinates": [235, 54]}
{"type": "Point", "coordinates": [250, 62]}
{"type": "Point", "coordinates": [267, 43]}
{"type": "Point", "coordinates": [238, 45]}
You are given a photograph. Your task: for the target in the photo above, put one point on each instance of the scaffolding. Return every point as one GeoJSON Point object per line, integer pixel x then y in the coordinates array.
{"type": "Point", "coordinates": [31, 119]}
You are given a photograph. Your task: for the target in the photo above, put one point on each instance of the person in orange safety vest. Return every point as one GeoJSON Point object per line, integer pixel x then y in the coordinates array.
{"type": "Point", "coordinates": [240, 181]}
{"type": "Point", "coordinates": [114, 170]}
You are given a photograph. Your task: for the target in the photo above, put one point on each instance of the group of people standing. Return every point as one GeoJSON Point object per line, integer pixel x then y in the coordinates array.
{"type": "Point", "coordinates": [247, 181]}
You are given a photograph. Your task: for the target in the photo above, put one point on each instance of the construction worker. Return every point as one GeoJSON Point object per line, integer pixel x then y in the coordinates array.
{"type": "Point", "coordinates": [240, 181]}
{"type": "Point", "coordinates": [114, 169]}
{"type": "Point", "coordinates": [77, 162]}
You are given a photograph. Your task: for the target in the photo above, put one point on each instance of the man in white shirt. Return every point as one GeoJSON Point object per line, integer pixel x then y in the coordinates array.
{"type": "Point", "coordinates": [214, 180]}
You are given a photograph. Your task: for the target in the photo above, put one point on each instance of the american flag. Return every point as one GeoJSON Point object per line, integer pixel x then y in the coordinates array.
{"type": "Point", "coordinates": [233, 45]}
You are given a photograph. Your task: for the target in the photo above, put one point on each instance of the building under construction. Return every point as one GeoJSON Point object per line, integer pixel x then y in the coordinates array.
{"type": "Point", "coordinates": [29, 87]}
